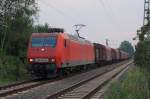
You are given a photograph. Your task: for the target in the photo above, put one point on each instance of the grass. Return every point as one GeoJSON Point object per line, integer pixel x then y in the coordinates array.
{"type": "Point", "coordinates": [134, 86]}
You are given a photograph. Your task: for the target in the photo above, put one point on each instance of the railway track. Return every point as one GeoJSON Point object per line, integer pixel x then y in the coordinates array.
{"type": "Point", "coordinates": [25, 86]}
{"type": "Point", "coordinates": [87, 89]}
{"type": "Point", "coordinates": [16, 84]}
{"type": "Point", "coordinates": [11, 89]}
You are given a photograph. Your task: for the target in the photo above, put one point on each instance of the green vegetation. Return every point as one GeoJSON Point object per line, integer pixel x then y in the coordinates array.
{"type": "Point", "coordinates": [41, 28]}
{"type": "Point", "coordinates": [142, 55]}
{"type": "Point", "coordinates": [143, 31]}
{"type": "Point", "coordinates": [12, 69]}
{"type": "Point", "coordinates": [134, 86]}
{"type": "Point", "coordinates": [16, 25]}
{"type": "Point", "coordinates": [127, 47]}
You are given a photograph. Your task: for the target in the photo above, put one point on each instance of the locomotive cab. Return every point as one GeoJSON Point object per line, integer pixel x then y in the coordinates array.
{"type": "Point", "coordinates": [39, 48]}
{"type": "Point", "coordinates": [43, 53]}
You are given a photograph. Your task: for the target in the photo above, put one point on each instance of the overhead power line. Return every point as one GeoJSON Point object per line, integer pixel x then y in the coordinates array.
{"type": "Point", "coordinates": [62, 13]}
{"type": "Point", "coordinates": [110, 14]}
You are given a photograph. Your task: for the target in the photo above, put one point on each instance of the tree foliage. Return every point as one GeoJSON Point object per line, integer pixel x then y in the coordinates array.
{"type": "Point", "coordinates": [16, 24]}
{"type": "Point", "coordinates": [142, 55]}
{"type": "Point", "coordinates": [127, 47]}
{"type": "Point", "coordinates": [144, 31]}
{"type": "Point", "coordinates": [41, 28]}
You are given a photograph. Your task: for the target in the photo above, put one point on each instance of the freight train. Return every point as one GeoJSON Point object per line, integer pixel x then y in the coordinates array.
{"type": "Point", "coordinates": [57, 52]}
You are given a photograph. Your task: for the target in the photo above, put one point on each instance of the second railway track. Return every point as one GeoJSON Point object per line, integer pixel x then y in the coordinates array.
{"type": "Point", "coordinates": [86, 89]}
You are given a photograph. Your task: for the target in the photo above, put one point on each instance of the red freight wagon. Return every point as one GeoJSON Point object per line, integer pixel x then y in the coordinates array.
{"type": "Point", "coordinates": [113, 54]}
{"type": "Point", "coordinates": [117, 55]}
{"type": "Point", "coordinates": [123, 55]}
{"type": "Point", "coordinates": [102, 54]}
{"type": "Point", "coordinates": [108, 54]}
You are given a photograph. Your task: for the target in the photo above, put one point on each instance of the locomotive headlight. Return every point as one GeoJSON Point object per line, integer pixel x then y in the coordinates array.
{"type": "Point", "coordinates": [52, 60]}
{"type": "Point", "coordinates": [31, 60]}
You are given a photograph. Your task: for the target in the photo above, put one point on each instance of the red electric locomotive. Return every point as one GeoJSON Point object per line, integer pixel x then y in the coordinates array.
{"type": "Point", "coordinates": [51, 53]}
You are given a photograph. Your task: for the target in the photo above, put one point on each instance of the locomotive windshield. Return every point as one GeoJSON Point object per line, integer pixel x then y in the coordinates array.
{"type": "Point", "coordinates": [43, 42]}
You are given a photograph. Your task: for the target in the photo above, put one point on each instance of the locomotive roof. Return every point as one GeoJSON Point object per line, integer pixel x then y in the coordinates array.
{"type": "Point", "coordinates": [44, 34]}
{"type": "Point", "coordinates": [69, 36]}
{"type": "Point", "coordinates": [78, 39]}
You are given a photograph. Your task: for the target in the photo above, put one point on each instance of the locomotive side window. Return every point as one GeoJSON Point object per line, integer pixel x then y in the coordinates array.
{"type": "Point", "coordinates": [43, 42]}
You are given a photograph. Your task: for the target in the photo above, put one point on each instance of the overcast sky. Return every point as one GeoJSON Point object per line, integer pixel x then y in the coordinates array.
{"type": "Point", "coordinates": [116, 20]}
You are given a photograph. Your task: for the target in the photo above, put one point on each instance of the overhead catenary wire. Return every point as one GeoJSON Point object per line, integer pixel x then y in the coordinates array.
{"type": "Point", "coordinates": [109, 15]}
{"type": "Point", "coordinates": [71, 19]}
{"type": "Point", "coordinates": [60, 12]}
{"type": "Point", "coordinates": [112, 13]}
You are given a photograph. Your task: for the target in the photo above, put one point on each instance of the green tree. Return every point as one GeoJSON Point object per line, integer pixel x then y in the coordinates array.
{"type": "Point", "coordinates": [16, 19]}
{"type": "Point", "coordinates": [16, 24]}
{"type": "Point", "coordinates": [142, 54]}
{"type": "Point", "coordinates": [144, 30]}
{"type": "Point", "coordinates": [41, 28]}
{"type": "Point", "coordinates": [127, 47]}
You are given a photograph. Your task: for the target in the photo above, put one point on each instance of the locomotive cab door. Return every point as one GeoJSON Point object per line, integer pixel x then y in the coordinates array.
{"type": "Point", "coordinates": [67, 52]}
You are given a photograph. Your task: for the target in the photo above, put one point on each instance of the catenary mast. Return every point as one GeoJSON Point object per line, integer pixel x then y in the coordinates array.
{"type": "Point", "coordinates": [146, 21]}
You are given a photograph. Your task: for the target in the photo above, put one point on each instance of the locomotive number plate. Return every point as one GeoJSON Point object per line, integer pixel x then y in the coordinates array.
{"type": "Point", "coordinates": [41, 60]}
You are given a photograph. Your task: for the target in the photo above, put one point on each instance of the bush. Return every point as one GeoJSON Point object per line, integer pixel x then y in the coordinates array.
{"type": "Point", "coordinates": [134, 86]}
{"type": "Point", "coordinates": [142, 55]}
{"type": "Point", "coordinates": [11, 68]}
